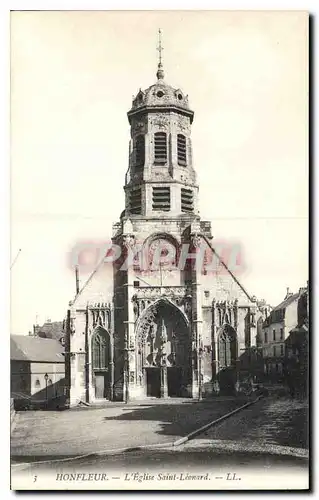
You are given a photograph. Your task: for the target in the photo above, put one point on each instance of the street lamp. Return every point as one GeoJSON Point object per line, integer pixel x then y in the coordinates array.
{"type": "Point", "coordinates": [200, 353]}
{"type": "Point", "coordinates": [46, 376]}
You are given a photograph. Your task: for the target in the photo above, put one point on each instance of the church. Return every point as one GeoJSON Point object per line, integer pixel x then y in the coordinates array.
{"type": "Point", "coordinates": [157, 321]}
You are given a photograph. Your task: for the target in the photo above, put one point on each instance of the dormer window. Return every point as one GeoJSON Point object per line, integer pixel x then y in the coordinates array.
{"type": "Point", "coordinates": [181, 149]}
{"type": "Point", "coordinates": [140, 152]}
{"type": "Point", "coordinates": [160, 148]}
{"type": "Point", "coordinates": [140, 96]}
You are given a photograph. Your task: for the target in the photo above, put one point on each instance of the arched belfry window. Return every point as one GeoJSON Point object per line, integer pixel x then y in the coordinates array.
{"type": "Point", "coordinates": [181, 149]}
{"type": "Point", "coordinates": [99, 350]}
{"type": "Point", "coordinates": [140, 152]}
{"type": "Point", "coordinates": [227, 347]}
{"type": "Point", "coordinates": [160, 148]}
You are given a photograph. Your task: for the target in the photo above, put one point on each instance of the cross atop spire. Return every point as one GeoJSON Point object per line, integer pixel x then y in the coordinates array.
{"type": "Point", "coordinates": [160, 48]}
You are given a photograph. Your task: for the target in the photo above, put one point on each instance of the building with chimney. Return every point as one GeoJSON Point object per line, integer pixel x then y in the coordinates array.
{"type": "Point", "coordinates": [276, 329]}
{"type": "Point", "coordinates": [158, 322]}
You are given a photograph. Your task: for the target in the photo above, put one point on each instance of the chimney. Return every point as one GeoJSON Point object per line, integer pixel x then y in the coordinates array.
{"type": "Point", "coordinates": [77, 283]}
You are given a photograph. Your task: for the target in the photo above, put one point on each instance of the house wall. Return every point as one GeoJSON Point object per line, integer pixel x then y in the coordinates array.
{"type": "Point", "coordinates": [20, 378]}
{"type": "Point", "coordinates": [56, 380]}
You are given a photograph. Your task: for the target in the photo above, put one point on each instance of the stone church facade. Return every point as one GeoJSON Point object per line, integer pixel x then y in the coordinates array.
{"type": "Point", "coordinates": [157, 322]}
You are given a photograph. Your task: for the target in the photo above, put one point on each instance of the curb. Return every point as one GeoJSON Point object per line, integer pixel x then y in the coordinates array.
{"type": "Point", "coordinates": [195, 433]}
{"type": "Point", "coordinates": [118, 451]}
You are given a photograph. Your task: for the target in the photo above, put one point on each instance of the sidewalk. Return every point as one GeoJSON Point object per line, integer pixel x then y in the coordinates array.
{"type": "Point", "coordinates": [40, 435]}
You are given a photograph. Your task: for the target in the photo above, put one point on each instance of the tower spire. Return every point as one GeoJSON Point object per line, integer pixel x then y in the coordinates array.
{"type": "Point", "coordinates": [160, 48]}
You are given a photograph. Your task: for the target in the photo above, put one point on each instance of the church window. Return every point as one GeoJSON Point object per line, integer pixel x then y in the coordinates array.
{"type": "Point", "coordinates": [180, 97]}
{"type": "Point", "coordinates": [187, 200]}
{"type": "Point", "coordinates": [140, 152]}
{"type": "Point", "coordinates": [161, 200]}
{"type": "Point", "coordinates": [160, 148]}
{"type": "Point", "coordinates": [181, 149]}
{"type": "Point", "coordinates": [160, 93]}
{"type": "Point", "coordinates": [135, 198]}
{"type": "Point", "coordinates": [99, 351]}
{"type": "Point", "coordinates": [227, 348]}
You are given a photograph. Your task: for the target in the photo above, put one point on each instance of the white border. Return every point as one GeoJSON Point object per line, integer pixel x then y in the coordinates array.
{"type": "Point", "coordinates": [5, 7]}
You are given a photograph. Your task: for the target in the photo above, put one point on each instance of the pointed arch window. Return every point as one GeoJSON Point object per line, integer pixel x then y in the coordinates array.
{"type": "Point", "coordinates": [160, 148]}
{"type": "Point", "coordinates": [99, 357]}
{"type": "Point", "coordinates": [181, 149]}
{"type": "Point", "coordinates": [227, 348]}
{"type": "Point", "coordinates": [140, 152]}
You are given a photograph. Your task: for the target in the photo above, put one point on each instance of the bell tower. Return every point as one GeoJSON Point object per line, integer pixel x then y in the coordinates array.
{"type": "Point", "coordinates": [160, 180]}
{"type": "Point", "coordinates": [158, 307]}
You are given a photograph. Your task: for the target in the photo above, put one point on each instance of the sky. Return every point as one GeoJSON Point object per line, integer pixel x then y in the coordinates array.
{"type": "Point", "coordinates": [73, 75]}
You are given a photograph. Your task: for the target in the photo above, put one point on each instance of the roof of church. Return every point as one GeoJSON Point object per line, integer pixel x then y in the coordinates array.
{"type": "Point", "coordinates": [160, 94]}
{"type": "Point", "coordinates": [30, 348]}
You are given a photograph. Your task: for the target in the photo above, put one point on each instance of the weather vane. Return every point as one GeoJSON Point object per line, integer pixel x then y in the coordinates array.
{"type": "Point", "coordinates": [160, 47]}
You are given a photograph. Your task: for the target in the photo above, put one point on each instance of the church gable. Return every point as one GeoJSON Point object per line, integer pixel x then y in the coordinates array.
{"type": "Point", "coordinates": [98, 288]}
{"type": "Point", "coordinates": [224, 285]}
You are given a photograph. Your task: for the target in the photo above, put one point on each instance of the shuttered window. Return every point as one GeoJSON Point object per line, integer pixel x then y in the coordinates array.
{"type": "Point", "coordinates": [187, 200]}
{"type": "Point", "coordinates": [160, 148]}
{"type": "Point", "coordinates": [135, 201]}
{"type": "Point", "coordinates": [181, 149]}
{"type": "Point", "coordinates": [140, 152]}
{"type": "Point", "coordinates": [161, 200]}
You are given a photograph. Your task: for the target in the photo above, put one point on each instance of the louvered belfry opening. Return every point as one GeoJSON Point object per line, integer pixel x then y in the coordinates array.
{"type": "Point", "coordinates": [140, 152]}
{"type": "Point", "coordinates": [160, 148]}
{"type": "Point", "coordinates": [136, 201]}
{"type": "Point", "coordinates": [181, 149]}
{"type": "Point", "coordinates": [187, 200]}
{"type": "Point", "coordinates": [161, 199]}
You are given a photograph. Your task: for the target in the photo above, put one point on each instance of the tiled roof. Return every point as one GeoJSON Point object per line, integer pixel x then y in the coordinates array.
{"type": "Point", "coordinates": [29, 348]}
{"type": "Point", "coordinates": [285, 303]}
{"type": "Point", "coordinates": [50, 330]}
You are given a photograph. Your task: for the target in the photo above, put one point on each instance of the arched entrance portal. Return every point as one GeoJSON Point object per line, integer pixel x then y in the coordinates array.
{"type": "Point", "coordinates": [164, 351]}
{"type": "Point", "coordinates": [100, 363]}
{"type": "Point", "coordinates": [227, 356]}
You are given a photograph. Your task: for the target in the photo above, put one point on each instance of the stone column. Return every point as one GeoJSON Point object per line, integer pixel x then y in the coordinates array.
{"type": "Point", "coordinates": [163, 367]}
{"type": "Point", "coordinates": [130, 368]}
{"type": "Point", "coordinates": [111, 362]}
{"type": "Point", "coordinates": [197, 339]}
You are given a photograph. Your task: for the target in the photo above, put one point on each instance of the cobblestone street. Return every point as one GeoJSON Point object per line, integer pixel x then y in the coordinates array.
{"type": "Point", "coordinates": [272, 426]}
{"type": "Point", "coordinates": [40, 435]}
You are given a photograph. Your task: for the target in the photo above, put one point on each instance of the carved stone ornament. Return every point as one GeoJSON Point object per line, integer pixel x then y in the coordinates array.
{"type": "Point", "coordinates": [161, 121]}
{"type": "Point", "coordinates": [72, 326]}
{"type": "Point", "coordinates": [196, 240]}
{"type": "Point", "coordinates": [101, 317]}
{"type": "Point", "coordinates": [183, 123]}
{"type": "Point", "coordinates": [128, 241]}
{"type": "Point", "coordinates": [139, 128]}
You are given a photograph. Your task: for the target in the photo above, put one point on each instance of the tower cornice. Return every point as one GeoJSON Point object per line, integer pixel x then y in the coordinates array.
{"type": "Point", "coordinates": [160, 109]}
